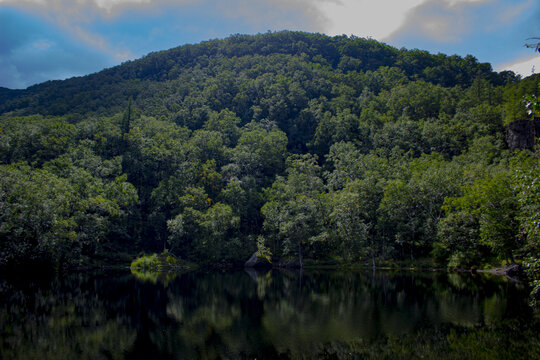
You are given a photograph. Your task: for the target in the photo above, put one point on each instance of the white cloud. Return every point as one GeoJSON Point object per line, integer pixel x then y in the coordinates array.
{"type": "Point", "coordinates": [106, 4]}
{"type": "Point", "coordinates": [440, 20]}
{"type": "Point", "coordinates": [75, 7]}
{"type": "Point", "coordinates": [511, 13]}
{"type": "Point", "coordinates": [524, 66]}
{"type": "Point", "coordinates": [334, 17]}
{"type": "Point", "coordinates": [109, 4]}
{"type": "Point", "coordinates": [275, 14]}
{"type": "Point", "coordinates": [451, 21]}
{"type": "Point", "coordinates": [382, 18]}
{"type": "Point", "coordinates": [461, 2]}
{"type": "Point", "coordinates": [366, 18]}
{"type": "Point", "coordinates": [43, 44]}
{"type": "Point", "coordinates": [76, 17]}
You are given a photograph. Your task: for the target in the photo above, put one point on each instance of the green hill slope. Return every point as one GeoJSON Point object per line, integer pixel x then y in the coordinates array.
{"type": "Point", "coordinates": [334, 149]}
{"type": "Point", "coordinates": [240, 54]}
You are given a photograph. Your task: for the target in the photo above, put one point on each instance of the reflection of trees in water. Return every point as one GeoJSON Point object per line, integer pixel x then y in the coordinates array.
{"type": "Point", "coordinates": [60, 320]}
{"type": "Point", "coordinates": [214, 315]}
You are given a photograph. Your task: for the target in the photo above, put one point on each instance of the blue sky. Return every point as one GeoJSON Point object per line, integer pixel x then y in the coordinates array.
{"type": "Point", "coordinates": [44, 40]}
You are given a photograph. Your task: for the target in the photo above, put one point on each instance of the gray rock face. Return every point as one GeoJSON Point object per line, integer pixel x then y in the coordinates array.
{"type": "Point", "coordinates": [257, 262]}
{"type": "Point", "coordinates": [513, 271]}
{"type": "Point", "coordinates": [521, 134]}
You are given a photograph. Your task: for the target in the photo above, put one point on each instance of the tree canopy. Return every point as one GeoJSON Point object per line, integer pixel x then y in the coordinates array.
{"type": "Point", "coordinates": [330, 149]}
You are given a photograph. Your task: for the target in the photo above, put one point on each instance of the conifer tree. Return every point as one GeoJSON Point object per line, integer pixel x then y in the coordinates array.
{"type": "Point", "coordinates": [126, 120]}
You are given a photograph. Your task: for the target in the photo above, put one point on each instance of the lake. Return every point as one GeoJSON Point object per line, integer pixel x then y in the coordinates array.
{"type": "Point", "coordinates": [279, 314]}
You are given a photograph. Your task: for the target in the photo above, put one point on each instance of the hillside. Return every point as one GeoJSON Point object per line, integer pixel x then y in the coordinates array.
{"type": "Point", "coordinates": [335, 149]}
{"type": "Point", "coordinates": [240, 55]}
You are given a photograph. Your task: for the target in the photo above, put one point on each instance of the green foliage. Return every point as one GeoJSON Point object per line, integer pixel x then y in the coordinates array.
{"type": "Point", "coordinates": [532, 268]}
{"type": "Point", "coordinates": [126, 119]}
{"type": "Point", "coordinates": [292, 144]}
{"type": "Point", "coordinates": [532, 104]}
{"type": "Point", "coordinates": [350, 230]}
{"type": "Point", "coordinates": [146, 263]}
{"type": "Point", "coordinates": [526, 181]}
{"type": "Point", "coordinates": [203, 230]}
{"type": "Point", "coordinates": [158, 262]}
{"type": "Point", "coordinates": [64, 211]}
{"type": "Point", "coordinates": [411, 207]}
{"type": "Point", "coordinates": [520, 99]}
{"type": "Point", "coordinates": [34, 139]}
{"type": "Point", "coordinates": [296, 210]}
{"type": "Point", "coordinates": [492, 200]}
{"type": "Point", "coordinates": [525, 184]}
{"type": "Point", "coordinates": [458, 239]}
{"type": "Point", "coordinates": [262, 250]}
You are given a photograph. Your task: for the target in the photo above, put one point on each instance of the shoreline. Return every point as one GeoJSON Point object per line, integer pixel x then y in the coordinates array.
{"type": "Point", "coordinates": [512, 272]}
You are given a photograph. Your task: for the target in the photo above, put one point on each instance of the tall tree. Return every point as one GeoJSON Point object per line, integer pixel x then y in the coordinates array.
{"type": "Point", "coordinates": [126, 119]}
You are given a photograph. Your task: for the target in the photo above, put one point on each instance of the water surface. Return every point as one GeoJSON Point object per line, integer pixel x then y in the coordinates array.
{"type": "Point", "coordinates": [279, 314]}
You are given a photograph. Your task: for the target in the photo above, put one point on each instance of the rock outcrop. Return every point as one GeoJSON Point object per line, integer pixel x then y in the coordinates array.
{"type": "Point", "coordinates": [523, 134]}
{"type": "Point", "coordinates": [520, 135]}
{"type": "Point", "coordinates": [513, 271]}
{"type": "Point", "coordinates": [257, 262]}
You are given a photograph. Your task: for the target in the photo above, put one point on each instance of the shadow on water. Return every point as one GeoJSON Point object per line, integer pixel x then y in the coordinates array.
{"type": "Point", "coordinates": [273, 314]}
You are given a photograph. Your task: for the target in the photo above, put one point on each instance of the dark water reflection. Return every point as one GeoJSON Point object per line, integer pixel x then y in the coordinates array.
{"type": "Point", "coordinates": [244, 314]}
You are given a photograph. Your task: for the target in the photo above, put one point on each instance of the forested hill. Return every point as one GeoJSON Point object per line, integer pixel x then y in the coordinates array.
{"type": "Point", "coordinates": [335, 149]}
{"type": "Point", "coordinates": [245, 56]}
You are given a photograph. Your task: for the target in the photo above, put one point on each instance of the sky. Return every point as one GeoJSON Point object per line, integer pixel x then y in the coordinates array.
{"type": "Point", "coordinates": [44, 40]}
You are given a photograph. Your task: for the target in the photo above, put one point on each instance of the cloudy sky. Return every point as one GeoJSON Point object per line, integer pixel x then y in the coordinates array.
{"type": "Point", "coordinates": [54, 39]}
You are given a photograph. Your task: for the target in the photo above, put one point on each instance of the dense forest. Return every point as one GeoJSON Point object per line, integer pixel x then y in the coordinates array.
{"type": "Point", "coordinates": [332, 149]}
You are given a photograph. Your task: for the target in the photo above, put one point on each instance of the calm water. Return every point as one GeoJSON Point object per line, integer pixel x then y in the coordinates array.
{"type": "Point", "coordinates": [248, 315]}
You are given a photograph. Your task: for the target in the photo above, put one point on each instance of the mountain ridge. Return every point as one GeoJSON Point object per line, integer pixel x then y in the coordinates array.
{"type": "Point", "coordinates": [338, 52]}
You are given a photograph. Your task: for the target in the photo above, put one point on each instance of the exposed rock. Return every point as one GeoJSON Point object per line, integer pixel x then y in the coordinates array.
{"type": "Point", "coordinates": [257, 262]}
{"type": "Point", "coordinates": [513, 270]}
{"type": "Point", "coordinates": [521, 134]}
